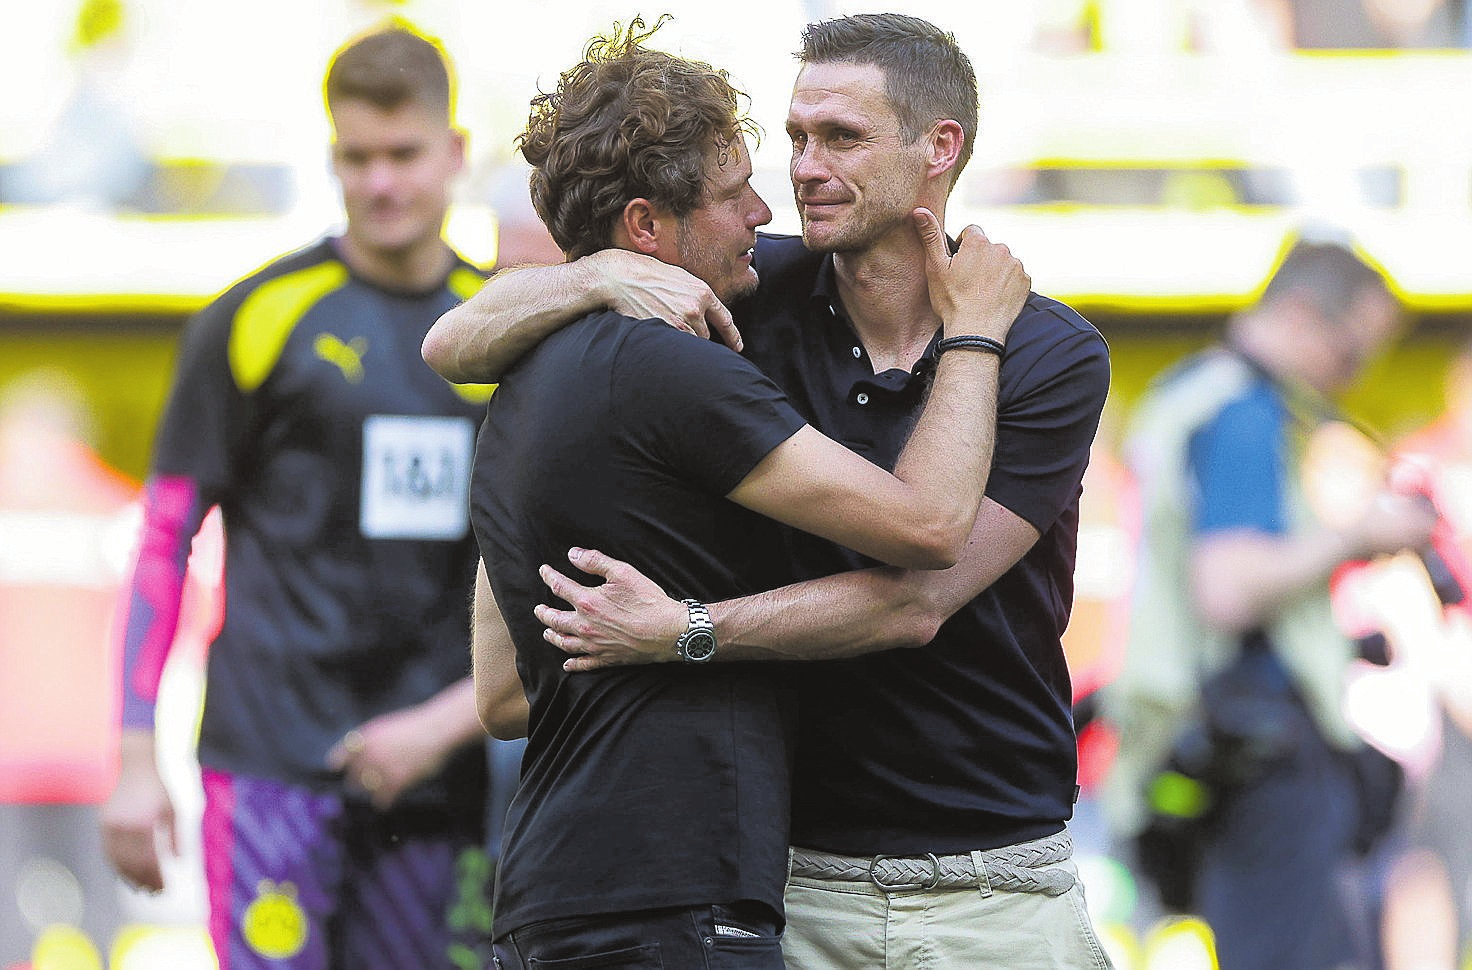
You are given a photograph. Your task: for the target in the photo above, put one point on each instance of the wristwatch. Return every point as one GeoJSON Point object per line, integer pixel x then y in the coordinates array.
{"type": "Point", "coordinates": [697, 644]}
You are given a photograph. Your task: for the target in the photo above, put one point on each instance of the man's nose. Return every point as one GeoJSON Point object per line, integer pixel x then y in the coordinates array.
{"type": "Point", "coordinates": [809, 165]}
{"type": "Point", "coordinates": [382, 173]}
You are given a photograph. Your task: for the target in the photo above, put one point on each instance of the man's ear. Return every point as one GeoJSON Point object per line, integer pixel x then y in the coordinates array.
{"type": "Point", "coordinates": [458, 147]}
{"type": "Point", "coordinates": [643, 225]}
{"type": "Point", "coordinates": [943, 147]}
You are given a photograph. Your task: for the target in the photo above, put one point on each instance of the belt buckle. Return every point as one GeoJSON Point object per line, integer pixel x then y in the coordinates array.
{"type": "Point", "coordinates": [928, 884]}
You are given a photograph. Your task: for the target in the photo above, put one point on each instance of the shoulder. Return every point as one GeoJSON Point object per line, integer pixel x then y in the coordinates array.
{"type": "Point", "coordinates": [319, 257]}
{"type": "Point", "coordinates": [1051, 342]}
{"type": "Point", "coordinates": [1258, 404]}
{"type": "Point", "coordinates": [606, 338]}
{"type": "Point", "coordinates": [256, 315]}
{"type": "Point", "coordinates": [783, 261]}
{"type": "Point", "coordinates": [654, 345]}
{"type": "Point", "coordinates": [1048, 323]}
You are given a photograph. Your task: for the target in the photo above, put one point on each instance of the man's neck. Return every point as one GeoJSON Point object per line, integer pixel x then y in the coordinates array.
{"type": "Point", "coordinates": [413, 269]}
{"type": "Point", "coordinates": [887, 297]}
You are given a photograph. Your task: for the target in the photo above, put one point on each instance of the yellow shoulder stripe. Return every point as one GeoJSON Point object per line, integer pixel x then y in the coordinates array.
{"type": "Point", "coordinates": [464, 283]}
{"type": "Point", "coordinates": [267, 317]}
{"type": "Point", "coordinates": [475, 393]}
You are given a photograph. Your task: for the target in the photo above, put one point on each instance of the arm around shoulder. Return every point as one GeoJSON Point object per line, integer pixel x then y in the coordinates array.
{"type": "Point", "coordinates": [516, 309]}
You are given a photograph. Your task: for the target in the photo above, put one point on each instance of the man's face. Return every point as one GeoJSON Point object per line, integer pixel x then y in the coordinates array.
{"type": "Point", "coordinates": [854, 177]}
{"type": "Point", "coordinates": [1337, 351]}
{"type": "Point", "coordinates": [715, 241]}
{"type": "Point", "coordinates": [395, 168]}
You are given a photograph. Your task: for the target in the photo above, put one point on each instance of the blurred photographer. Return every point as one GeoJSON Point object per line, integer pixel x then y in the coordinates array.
{"type": "Point", "coordinates": [1240, 781]}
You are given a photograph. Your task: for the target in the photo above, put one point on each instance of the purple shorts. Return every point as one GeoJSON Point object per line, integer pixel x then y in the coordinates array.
{"type": "Point", "coordinates": [304, 880]}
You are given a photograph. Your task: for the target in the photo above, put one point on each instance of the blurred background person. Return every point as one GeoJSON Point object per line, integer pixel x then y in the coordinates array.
{"type": "Point", "coordinates": [1428, 899]}
{"type": "Point", "coordinates": [1228, 704]}
{"type": "Point", "coordinates": [58, 735]}
{"type": "Point", "coordinates": [92, 155]}
{"type": "Point", "coordinates": [1372, 24]}
{"type": "Point", "coordinates": [343, 763]}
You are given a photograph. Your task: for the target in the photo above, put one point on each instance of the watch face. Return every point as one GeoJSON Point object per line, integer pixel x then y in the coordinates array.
{"type": "Point", "coordinates": [698, 646]}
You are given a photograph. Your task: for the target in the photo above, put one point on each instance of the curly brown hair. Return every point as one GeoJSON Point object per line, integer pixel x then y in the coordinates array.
{"type": "Point", "coordinates": [626, 122]}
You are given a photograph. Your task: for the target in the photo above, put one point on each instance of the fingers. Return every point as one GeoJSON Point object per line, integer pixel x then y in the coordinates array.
{"type": "Point", "coordinates": [348, 748]}
{"type": "Point", "coordinates": [585, 663]}
{"type": "Point", "coordinates": [927, 227]}
{"type": "Point", "coordinates": [560, 631]}
{"type": "Point", "coordinates": [135, 857]}
{"type": "Point", "coordinates": [723, 325]}
{"type": "Point", "coordinates": [590, 561]}
{"type": "Point", "coordinates": [337, 756]}
{"type": "Point", "coordinates": [593, 562]}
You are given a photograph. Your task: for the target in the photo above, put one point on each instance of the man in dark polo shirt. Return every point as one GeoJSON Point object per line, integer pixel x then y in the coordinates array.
{"type": "Point", "coordinates": [650, 825]}
{"type": "Point", "coordinates": [959, 756]}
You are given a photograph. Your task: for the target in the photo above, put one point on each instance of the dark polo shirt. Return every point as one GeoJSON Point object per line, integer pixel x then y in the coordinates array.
{"type": "Point", "coordinates": [650, 786]}
{"type": "Point", "coordinates": [967, 743]}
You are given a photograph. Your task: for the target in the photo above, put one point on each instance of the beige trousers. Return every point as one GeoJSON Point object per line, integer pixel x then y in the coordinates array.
{"type": "Point", "coordinates": [834, 925]}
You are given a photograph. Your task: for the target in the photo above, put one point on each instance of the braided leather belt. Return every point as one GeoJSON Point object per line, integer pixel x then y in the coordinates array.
{"type": "Point", "coordinates": [1015, 868]}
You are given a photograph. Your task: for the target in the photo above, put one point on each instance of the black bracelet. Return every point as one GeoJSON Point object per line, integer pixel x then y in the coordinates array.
{"type": "Point", "coordinates": [970, 341]}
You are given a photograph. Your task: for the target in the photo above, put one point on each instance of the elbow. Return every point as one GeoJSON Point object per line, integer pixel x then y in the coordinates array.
{"type": "Point", "coordinates": [910, 618]}
{"type": "Point", "coordinates": [936, 544]}
{"type": "Point", "coordinates": [910, 630]}
{"type": "Point", "coordinates": [1227, 618]}
{"type": "Point", "coordinates": [1219, 609]}
{"type": "Point", "coordinates": [1227, 589]}
{"type": "Point", "coordinates": [438, 351]}
{"type": "Point", "coordinates": [506, 730]}
{"type": "Point", "coordinates": [504, 722]}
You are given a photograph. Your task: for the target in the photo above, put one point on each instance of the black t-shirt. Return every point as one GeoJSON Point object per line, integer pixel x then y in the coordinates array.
{"type": "Point", "coordinates": [647, 786]}
{"type": "Point", "coordinates": [341, 464]}
{"type": "Point", "coordinates": [967, 743]}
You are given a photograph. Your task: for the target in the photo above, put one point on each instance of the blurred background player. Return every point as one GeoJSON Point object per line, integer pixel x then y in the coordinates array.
{"type": "Point", "coordinates": [1232, 630]}
{"type": "Point", "coordinates": [343, 763]}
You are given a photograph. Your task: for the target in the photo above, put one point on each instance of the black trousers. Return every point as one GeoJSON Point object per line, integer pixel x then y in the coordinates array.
{"type": "Point", "coordinates": [738, 936]}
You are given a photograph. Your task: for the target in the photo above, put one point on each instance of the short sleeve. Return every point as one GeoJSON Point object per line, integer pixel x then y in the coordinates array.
{"type": "Point", "coordinates": [1054, 384]}
{"type": "Point", "coordinates": [207, 417]}
{"type": "Point", "coordinates": [697, 406]}
{"type": "Point", "coordinates": [1236, 467]}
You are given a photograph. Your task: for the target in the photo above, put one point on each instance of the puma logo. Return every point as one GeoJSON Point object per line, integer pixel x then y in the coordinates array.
{"type": "Point", "coordinates": [347, 356]}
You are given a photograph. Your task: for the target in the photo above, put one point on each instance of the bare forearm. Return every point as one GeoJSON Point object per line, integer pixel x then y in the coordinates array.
{"type": "Point", "coordinates": [845, 615]}
{"type": "Point", "coordinates": [500, 698]}
{"type": "Point", "coordinates": [452, 712]}
{"type": "Point", "coordinates": [629, 619]}
{"type": "Point", "coordinates": [854, 613]}
{"type": "Point", "coordinates": [949, 454]}
{"type": "Point", "coordinates": [1239, 580]}
{"type": "Point", "coordinates": [513, 312]}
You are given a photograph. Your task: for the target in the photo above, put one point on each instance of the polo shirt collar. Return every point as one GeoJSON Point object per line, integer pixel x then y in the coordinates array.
{"type": "Point", "coordinates": [826, 305]}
